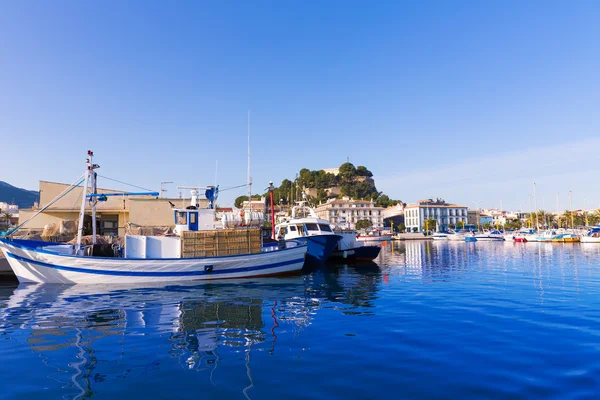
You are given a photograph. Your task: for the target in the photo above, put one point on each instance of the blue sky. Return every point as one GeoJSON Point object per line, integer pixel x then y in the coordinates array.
{"type": "Point", "coordinates": [470, 101]}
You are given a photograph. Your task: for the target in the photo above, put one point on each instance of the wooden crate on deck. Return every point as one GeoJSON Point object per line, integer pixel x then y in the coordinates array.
{"type": "Point", "coordinates": [224, 242]}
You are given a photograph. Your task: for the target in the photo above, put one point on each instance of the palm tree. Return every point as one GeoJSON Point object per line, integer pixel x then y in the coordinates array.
{"type": "Point", "coordinates": [7, 217]}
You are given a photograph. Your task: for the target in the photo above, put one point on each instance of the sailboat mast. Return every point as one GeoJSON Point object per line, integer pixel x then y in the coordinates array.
{"type": "Point", "coordinates": [537, 226]}
{"type": "Point", "coordinates": [249, 177]}
{"type": "Point", "coordinates": [571, 208]}
{"type": "Point", "coordinates": [249, 216]}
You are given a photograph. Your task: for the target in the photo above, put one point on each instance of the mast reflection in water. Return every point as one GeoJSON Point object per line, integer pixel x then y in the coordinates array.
{"type": "Point", "coordinates": [430, 320]}
{"type": "Point", "coordinates": [88, 337]}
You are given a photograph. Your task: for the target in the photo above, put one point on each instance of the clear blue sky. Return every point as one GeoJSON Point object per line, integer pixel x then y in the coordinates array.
{"type": "Point", "coordinates": [466, 100]}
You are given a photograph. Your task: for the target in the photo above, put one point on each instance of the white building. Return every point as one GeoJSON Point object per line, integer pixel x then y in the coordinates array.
{"type": "Point", "coordinates": [444, 214]}
{"type": "Point", "coordinates": [12, 209]}
{"type": "Point", "coordinates": [346, 212]}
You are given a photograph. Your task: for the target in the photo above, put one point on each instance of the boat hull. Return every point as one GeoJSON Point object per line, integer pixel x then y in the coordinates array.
{"type": "Point", "coordinates": [320, 248]}
{"type": "Point", "coordinates": [362, 253]}
{"type": "Point", "coordinates": [32, 265]}
{"type": "Point", "coordinates": [382, 238]}
{"type": "Point", "coordinates": [590, 239]}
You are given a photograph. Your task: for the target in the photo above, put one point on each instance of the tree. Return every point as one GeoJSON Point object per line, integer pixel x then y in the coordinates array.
{"type": "Point", "coordinates": [239, 200]}
{"type": "Point", "coordinates": [363, 224]}
{"type": "Point", "coordinates": [7, 217]}
{"type": "Point", "coordinates": [430, 224]}
{"type": "Point", "coordinates": [363, 171]}
{"type": "Point", "coordinates": [347, 171]}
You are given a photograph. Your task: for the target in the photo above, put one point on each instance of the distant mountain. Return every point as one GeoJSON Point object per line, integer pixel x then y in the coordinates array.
{"type": "Point", "coordinates": [21, 197]}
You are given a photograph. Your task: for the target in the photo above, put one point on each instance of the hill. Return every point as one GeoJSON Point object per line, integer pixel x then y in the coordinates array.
{"type": "Point", "coordinates": [21, 197]}
{"type": "Point", "coordinates": [320, 185]}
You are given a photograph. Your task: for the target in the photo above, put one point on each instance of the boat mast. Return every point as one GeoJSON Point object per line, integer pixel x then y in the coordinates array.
{"type": "Point", "coordinates": [93, 200]}
{"type": "Point", "coordinates": [86, 180]}
{"type": "Point", "coordinates": [249, 177]}
{"type": "Point", "coordinates": [537, 225]}
{"type": "Point", "coordinates": [571, 207]}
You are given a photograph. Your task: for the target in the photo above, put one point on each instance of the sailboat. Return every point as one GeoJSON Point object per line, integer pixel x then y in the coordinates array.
{"type": "Point", "coordinates": [149, 259]}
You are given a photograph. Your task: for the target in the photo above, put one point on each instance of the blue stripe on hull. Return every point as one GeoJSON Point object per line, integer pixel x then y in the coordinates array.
{"type": "Point", "coordinates": [155, 274]}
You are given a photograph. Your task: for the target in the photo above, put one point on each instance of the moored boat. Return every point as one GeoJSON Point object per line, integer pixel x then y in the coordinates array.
{"type": "Point", "coordinates": [592, 236]}
{"type": "Point", "coordinates": [348, 248]}
{"type": "Point", "coordinates": [193, 254]}
{"type": "Point", "coordinates": [566, 238]}
{"type": "Point", "coordinates": [489, 236]}
{"type": "Point", "coordinates": [306, 227]}
{"type": "Point", "coordinates": [440, 236]}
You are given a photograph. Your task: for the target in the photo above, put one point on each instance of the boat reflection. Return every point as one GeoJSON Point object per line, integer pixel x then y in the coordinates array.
{"type": "Point", "coordinates": [87, 335]}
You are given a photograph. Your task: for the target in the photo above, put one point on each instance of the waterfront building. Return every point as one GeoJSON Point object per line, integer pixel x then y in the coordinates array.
{"type": "Point", "coordinates": [393, 214]}
{"type": "Point", "coordinates": [256, 204]}
{"type": "Point", "coordinates": [346, 212]}
{"type": "Point", "coordinates": [444, 213]}
{"type": "Point", "coordinates": [113, 215]}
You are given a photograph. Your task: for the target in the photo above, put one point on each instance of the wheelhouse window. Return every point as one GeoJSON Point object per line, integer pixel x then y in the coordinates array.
{"type": "Point", "coordinates": [181, 218]}
{"type": "Point", "coordinates": [192, 218]}
{"type": "Point", "coordinates": [311, 227]}
{"type": "Point", "coordinates": [292, 228]}
{"type": "Point", "coordinates": [325, 228]}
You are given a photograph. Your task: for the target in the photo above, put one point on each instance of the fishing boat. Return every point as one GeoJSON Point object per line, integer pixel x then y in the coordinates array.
{"type": "Point", "coordinates": [489, 236]}
{"type": "Point", "coordinates": [306, 227]}
{"type": "Point", "coordinates": [350, 249]}
{"type": "Point", "coordinates": [592, 236]}
{"type": "Point", "coordinates": [195, 253]}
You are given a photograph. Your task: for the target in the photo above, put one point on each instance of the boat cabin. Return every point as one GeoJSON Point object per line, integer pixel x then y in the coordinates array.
{"type": "Point", "coordinates": [194, 219]}
{"type": "Point", "coordinates": [298, 229]}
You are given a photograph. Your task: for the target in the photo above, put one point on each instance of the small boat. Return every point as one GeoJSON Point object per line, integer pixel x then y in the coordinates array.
{"type": "Point", "coordinates": [348, 248]}
{"type": "Point", "coordinates": [489, 236]}
{"type": "Point", "coordinates": [592, 236]}
{"type": "Point", "coordinates": [440, 236]}
{"type": "Point", "coordinates": [374, 236]}
{"type": "Point", "coordinates": [458, 236]}
{"type": "Point", "coordinates": [521, 235]}
{"type": "Point", "coordinates": [150, 259]}
{"type": "Point", "coordinates": [566, 238]}
{"type": "Point", "coordinates": [306, 227]}
{"type": "Point", "coordinates": [542, 236]}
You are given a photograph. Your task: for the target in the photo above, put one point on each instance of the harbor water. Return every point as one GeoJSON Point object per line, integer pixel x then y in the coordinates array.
{"type": "Point", "coordinates": [430, 320]}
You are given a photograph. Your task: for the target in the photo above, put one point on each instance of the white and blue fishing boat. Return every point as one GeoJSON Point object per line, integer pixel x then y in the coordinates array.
{"type": "Point", "coordinates": [146, 259]}
{"type": "Point", "coordinates": [305, 226]}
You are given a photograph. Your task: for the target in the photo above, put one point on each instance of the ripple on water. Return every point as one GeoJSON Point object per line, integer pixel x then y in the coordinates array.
{"type": "Point", "coordinates": [431, 320]}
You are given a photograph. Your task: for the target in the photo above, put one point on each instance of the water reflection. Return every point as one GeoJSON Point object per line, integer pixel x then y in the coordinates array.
{"type": "Point", "coordinates": [87, 335]}
{"type": "Point", "coordinates": [424, 312]}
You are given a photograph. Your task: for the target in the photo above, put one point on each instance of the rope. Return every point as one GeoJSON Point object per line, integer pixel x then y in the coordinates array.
{"type": "Point", "coordinates": [233, 187]}
{"type": "Point", "coordinates": [60, 196]}
{"type": "Point", "coordinates": [125, 183]}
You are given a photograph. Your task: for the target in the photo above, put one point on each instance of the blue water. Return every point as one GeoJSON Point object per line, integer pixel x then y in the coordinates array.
{"type": "Point", "coordinates": [429, 320]}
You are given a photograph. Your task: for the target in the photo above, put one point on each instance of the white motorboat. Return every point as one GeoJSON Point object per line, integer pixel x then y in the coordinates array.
{"type": "Point", "coordinates": [306, 227]}
{"type": "Point", "coordinates": [489, 236]}
{"type": "Point", "coordinates": [149, 259]}
{"type": "Point", "coordinates": [440, 236]}
{"type": "Point", "coordinates": [592, 236]}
